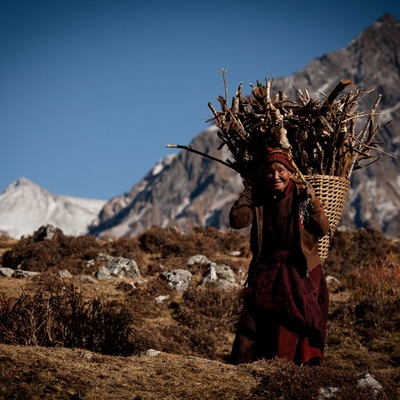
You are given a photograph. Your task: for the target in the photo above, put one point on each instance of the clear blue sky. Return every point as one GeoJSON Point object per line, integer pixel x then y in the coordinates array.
{"type": "Point", "coordinates": [92, 91]}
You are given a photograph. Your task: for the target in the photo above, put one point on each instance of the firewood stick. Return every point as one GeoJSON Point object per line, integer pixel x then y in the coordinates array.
{"type": "Point", "coordinates": [363, 135]}
{"type": "Point", "coordinates": [188, 148]}
{"type": "Point", "coordinates": [338, 89]}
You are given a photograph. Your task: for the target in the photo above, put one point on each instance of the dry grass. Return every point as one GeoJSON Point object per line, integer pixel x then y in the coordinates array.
{"type": "Point", "coordinates": [193, 332]}
{"type": "Point", "coordinates": [48, 373]}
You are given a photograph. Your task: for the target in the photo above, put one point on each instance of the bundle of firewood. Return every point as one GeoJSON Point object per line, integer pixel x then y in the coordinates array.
{"type": "Point", "coordinates": [324, 137]}
{"type": "Point", "coordinates": [327, 139]}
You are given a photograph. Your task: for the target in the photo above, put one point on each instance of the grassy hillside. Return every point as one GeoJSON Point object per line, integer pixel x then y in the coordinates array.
{"type": "Point", "coordinates": [69, 339]}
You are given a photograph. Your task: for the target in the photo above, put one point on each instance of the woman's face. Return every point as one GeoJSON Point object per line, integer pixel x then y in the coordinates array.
{"type": "Point", "coordinates": [277, 176]}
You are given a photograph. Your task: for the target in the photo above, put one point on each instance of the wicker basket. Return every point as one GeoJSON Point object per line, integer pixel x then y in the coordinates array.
{"type": "Point", "coordinates": [332, 190]}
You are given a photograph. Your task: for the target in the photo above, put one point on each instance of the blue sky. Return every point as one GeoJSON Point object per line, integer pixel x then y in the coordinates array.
{"type": "Point", "coordinates": [92, 91]}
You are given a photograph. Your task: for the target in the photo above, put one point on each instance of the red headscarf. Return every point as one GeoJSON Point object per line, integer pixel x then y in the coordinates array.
{"type": "Point", "coordinates": [281, 156]}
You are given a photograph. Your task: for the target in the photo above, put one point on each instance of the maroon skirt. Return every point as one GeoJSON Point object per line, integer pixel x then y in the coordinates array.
{"type": "Point", "coordinates": [284, 315]}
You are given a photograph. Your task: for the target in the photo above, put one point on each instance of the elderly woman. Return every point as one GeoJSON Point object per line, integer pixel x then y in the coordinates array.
{"type": "Point", "coordinates": [285, 296]}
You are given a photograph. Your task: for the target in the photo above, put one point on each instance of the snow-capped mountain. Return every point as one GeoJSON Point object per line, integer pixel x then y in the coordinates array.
{"type": "Point", "coordinates": [25, 207]}
{"type": "Point", "coordinates": [187, 190]}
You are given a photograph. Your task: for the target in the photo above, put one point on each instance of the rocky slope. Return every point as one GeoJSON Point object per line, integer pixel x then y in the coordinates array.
{"type": "Point", "coordinates": [186, 189]}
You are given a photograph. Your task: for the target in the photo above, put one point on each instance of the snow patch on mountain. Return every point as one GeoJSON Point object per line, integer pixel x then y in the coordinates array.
{"type": "Point", "coordinates": [162, 164]}
{"type": "Point", "coordinates": [25, 207]}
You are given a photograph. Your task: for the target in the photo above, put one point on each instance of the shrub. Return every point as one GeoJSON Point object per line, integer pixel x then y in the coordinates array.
{"type": "Point", "coordinates": [57, 314]}
{"type": "Point", "coordinates": [72, 253]}
{"type": "Point", "coordinates": [167, 242]}
{"type": "Point", "coordinates": [279, 379]}
{"type": "Point", "coordinates": [367, 324]}
{"type": "Point", "coordinates": [354, 249]}
{"type": "Point", "coordinates": [208, 314]}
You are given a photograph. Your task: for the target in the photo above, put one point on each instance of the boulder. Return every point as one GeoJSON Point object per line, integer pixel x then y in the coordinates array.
{"type": "Point", "coordinates": [46, 232]}
{"type": "Point", "coordinates": [332, 283]}
{"type": "Point", "coordinates": [65, 274]}
{"type": "Point", "coordinates": [18, 273]}
{"type": "Point", "coordinates": [6, 272]}
{"type": "Point", "coordinates": [121, 267]}
{"type": "Point", "coordinates": [221, 275]}
{"type": "Point", "coordinates": [198, 259]}
{"type": "Point", "coordinates": [178, 279]}
{"type": "Point", "coordinates": [103, 273]}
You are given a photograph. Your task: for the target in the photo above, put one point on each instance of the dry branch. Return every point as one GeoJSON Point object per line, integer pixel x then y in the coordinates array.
{"type": "Point", "coordinates": [322, 136]}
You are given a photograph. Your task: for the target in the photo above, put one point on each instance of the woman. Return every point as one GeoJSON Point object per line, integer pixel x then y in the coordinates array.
{"type": "Point", "coordinates": [285, 296]}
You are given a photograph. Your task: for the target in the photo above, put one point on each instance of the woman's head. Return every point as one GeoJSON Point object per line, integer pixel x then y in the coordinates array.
{"type": "Point", "coordinates": [278, 169]}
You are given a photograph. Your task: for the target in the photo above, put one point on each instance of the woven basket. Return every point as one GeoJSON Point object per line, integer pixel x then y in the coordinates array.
{"type": "Point", "coordinates": [332, 191]}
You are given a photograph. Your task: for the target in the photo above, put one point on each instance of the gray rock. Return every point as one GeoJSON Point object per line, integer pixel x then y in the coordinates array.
{"type": "Point", "coordinates": [65, 274]}
{"type": "Point", "coordinates": [198, 259]}
{"type": "Point", "coordinates": [24, 274]}
{"type": "Point", "coordinates": [121, 267]}
{"type": "Point", "coordinates": [103, 273]}
{"type": "Point", "coordinates": [160, 299]}
{"type": "Point", "coordinates": [178, 279]}
{"type": "Point", "coordinates": [221, 275]}
{"type": "Point", "coordinates": [46, 232]}
{"type": "Point", "coordinates": [367, 380]}
{"type": "Point", "coordinates": [88, 279]}
{"type": "Point", "coordinates": [332, 283]}
{"type": "Point", "coordinates": [151, 353]}
{"type": "Point", "coordinates": [6, 272]}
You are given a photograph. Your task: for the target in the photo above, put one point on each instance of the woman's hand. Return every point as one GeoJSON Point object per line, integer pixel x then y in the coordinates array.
{"type": "Point", "coordinates": [310, 192]}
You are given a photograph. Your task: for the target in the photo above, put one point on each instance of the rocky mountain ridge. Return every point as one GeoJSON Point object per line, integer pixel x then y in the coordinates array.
{"type": "Point", "coordinates": [183, 190]}
{"type": "Point", "coordinates": [187, 190]}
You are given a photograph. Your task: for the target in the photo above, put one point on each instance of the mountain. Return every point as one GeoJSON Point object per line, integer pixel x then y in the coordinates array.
{"type": "Point", "coordinates": [25, 206]}
{"type": "Point", "coordinates": [186, 189]}
{"type": "Point", "coordinates": [371, 61]}
{"type": "Point", "coordinates": [183, 190]}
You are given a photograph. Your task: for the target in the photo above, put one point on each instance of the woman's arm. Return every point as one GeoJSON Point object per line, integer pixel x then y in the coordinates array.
{"type": "Point", "coordinates": [242, 211]}
{"type": "Point", "coordinates": [318, 223]}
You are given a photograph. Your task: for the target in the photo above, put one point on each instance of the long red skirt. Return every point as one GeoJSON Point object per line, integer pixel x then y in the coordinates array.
{"type": "Point", "coordinates": [286, 332]}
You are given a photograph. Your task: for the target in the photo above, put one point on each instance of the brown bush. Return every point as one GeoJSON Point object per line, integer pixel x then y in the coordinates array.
{"type": "Point", "coordinates": [209, 314]}
{"type": "Point", "coordinates": [369, 320]}
{"type": "Point", "coordinates": [218, 308]}
{"type": "Point", "coordinates": [58, 314]}
{"type": "Point", "coordinates": [68, 252]}
{"type": "Point", "coordinates": [142, 300]}
{"type": "Point", "coordinates": [226, 241]}
{"type": "Point", "coordinates": [352, 249]}
{"type": "Point", "coordinates": [72, 253]}
{"type": "Point", "coordinates": [167, 242]}
{"type": "Point", "coordinates": [127, 247]}
{"type": "Point", "coordinates": [279, 379]}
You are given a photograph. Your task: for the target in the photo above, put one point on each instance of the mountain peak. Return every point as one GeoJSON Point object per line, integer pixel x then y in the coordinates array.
{"type": "Point", "coordinates": [25, 206]}
{"type": "Point", "coordinates": [388, 19]}
{"type": "Point", "coordinates": [22, 181]}
{"type": "Point", "coordinates": [23, 185]}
